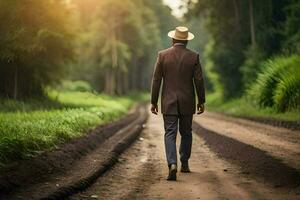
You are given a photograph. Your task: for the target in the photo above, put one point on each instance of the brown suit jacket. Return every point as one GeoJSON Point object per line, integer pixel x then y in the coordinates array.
{"type": "Point", "coordinates": [181, 72]}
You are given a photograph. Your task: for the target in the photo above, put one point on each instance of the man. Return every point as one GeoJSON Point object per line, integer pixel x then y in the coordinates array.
{"type": "Point", "coordinates": [180, 70]}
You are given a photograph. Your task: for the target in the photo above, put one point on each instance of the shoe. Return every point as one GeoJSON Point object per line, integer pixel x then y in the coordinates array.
{"type": "Point", "coordinates": [172, 172]}
{"type": "Point", "coordinates": [185, 169]}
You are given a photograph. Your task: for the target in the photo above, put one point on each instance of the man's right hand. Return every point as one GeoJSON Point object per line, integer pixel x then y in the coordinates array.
{"type": "Point", "coordinates": [200, 108]}
{"type": "Point", "coordinates": [154, 109]}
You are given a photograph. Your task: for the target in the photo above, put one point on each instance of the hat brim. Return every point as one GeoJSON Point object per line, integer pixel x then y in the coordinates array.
{"type": "Point", "coordinates": [171, 34]}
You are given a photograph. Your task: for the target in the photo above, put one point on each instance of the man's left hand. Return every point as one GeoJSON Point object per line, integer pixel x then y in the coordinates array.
{"type": "Point", "coordinates": [154, 109]}
{"type": "Point", "coordinates": [200, 108]}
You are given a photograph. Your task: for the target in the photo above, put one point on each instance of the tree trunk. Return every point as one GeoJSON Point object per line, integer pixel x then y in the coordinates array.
{"type": "Point", "coordinates": [112, 82]}
{"type": "Point", "coordinates": [126, 82]}
{"type": "Point", "coordinates": [15, 93]}
{"type": "Point", "coordinates": [109, 82]}
{"type": "Point", "coordinates": [119, 80]}
{"type": "Point", "coordinates": [106, 81]}
{"type": "Point", "coordinates": [252, 23]}
{"type": "Point", "coordinates": [133, 81]}
{"type": "Point", "coordinates": [237, 14]}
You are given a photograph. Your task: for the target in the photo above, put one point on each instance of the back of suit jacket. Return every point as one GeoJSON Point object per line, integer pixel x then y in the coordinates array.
{"type": "Point", "coordinates": [179, 69]}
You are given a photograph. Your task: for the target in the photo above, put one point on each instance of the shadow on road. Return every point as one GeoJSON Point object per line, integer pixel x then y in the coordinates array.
{"type": "Point", "coordinates": [252, 160]}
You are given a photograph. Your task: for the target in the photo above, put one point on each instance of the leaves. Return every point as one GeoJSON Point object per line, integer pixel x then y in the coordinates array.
{"type": "Point", "coordinates": [278, 84]}
{"type": "Point", "coordinates": [36, 40]}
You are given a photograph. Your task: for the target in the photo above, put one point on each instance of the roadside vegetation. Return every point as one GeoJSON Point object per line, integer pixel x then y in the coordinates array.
{"type": "Point", "coordinates": [278, 85]}
{"type": "Point", "coordinates": [275, 94]}
{"type": "Point", "coordinates": [244, 107]}
{"type": "Point", "coordinates": [251, 56]}
{"type": "Point", "coordinates": [110, 44]}
{"type": "Point", "coordinates": [30, 127]}
{"type": "Point", "coordinates": [106, 49]}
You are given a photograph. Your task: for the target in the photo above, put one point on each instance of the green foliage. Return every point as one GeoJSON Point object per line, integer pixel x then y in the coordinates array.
{"type": "Point", "coordinates": [292, 28]}
{"type": "Point", "coordinates": [28, 128]}
{"type": "Point", "coordinates": [223, 21]}
{"type": "Point", "coordinates": [166, 22]}
{"type": "Point", "coordinates": [241, 38]}
{"type": "Point", "coordinates": [120, 37]}
{"type": "Point", "coordinates": [9, 105]}
{"type": "Point", "coordinates": [76, 86]}
{"type": "Point", "coordinates": [97, 41]}
{"type": "Point", "coordinates": [35, 43]}
{"type": "Point", "coordinates": [277, 84]}
{"type": "Point", "coordinates": [140, 96]}
{"type": "Point", "coordinates": [287, 93]}
{"type": "Point", "coordinates": [22, 134]}
{"type": "Point", "coordinates": [245, 107]}
{"type": "Point", "coordinates": [252, 65]}
{"type": "Point", "coordinates": [210, 73]}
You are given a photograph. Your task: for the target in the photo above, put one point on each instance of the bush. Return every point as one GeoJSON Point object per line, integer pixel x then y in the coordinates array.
{"type": "Point", "coordinates": [76, 86]}
{"type": "Point", "coordinates": [278, 84]}
{"type": "Point", "coordinates": [252, 65]}
{"type": "Point", "coordinates": [287, 93]}
{"type": "Point", "coordinates": [28, 128]}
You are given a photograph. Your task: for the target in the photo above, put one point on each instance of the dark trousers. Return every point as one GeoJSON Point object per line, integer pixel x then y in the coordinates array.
{"type": "Point", "coordinates": [185, 130]}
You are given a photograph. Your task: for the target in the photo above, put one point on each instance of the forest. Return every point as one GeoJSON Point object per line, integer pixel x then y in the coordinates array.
{"type": "Point", "coordinates": [44, 42]}
{"type": "Point", "coordinates": [251, 54]}
{"type": "Point", "coordinates": [69, 57]}
{"type": "Point", "coordinates": [68, 66]}
{"type": "Point", "coordinates": [76, 120]}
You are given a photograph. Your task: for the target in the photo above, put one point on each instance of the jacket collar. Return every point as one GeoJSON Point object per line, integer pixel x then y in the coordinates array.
{"type": "Point", "coordinates": [179, 45]}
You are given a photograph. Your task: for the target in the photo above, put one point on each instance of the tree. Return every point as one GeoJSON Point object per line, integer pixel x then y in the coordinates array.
{"type": "Point", "coordinates": [35, 42]}
{"type": "Point", "coordinates": [224, 21]}
{"type": "Point", "coordinates": [119, 44]}
{"type": "Point", "coordinates": [109, 43]}
{"type": "Point", "coordinates": [291, 27]}
{"type": "Point", "coordinates": [252, 26]}
{"type": "Point", "coordinates": [243, 34]}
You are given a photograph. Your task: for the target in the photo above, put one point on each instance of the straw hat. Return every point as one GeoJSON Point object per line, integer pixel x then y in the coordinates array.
{"type": "Point", "coordinates": [181, 33]}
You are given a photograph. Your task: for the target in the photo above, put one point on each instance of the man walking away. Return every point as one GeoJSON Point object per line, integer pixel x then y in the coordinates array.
{"type": "Point", "coordinates": [180, 71]}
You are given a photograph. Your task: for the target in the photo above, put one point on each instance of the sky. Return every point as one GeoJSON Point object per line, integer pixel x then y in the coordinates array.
{"type": "Point", "coordinates": [174, 5]}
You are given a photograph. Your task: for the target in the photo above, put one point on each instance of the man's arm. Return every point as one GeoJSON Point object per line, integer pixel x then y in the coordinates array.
{"type": "Point", "coordinates": [156, 82]}
{"type": "Point", "coordinates": [199, 84]}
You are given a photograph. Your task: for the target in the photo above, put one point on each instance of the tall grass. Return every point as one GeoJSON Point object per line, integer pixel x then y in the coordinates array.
{"type": "Point", "coordinates": [245, 107]}
{"type": "Point", "coordinates": [28, 128]}
{"type": "Point", "coordinates": [278, 84]}
{"type": "Point", "coordinates": [287, 92]}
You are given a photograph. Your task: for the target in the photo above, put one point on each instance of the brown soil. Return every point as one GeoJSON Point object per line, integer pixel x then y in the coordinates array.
{"type": "Point", "coordinates": [292, 125]}
{"type": "Point", "coordinates": [251, 160]}
{"type": "Point", "coordinates": [280, 143]}
{"type": "Point", "coordinates": [56, 163]}
{"type": "Point", "coordinates": [232, 158]}
{"type": "Point", "coordinates": [222, 167]}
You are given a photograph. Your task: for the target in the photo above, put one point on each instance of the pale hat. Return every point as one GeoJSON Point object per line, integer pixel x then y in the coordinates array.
{"type": "Point", "coordinates": [181, 33]}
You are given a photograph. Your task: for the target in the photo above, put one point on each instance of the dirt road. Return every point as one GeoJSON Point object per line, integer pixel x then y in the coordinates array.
{"type": "Point", "coordinates": [231, 159]}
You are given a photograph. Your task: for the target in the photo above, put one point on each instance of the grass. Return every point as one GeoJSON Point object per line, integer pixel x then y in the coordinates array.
{"type": "Point", "coordinates": [31, 127]}
{"type": "Point", "coordinates": [243, 107]}
{"type": "Point", "coordinates": [274, 94]}
{"type": "Point", "coordinates": [278, 85]}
